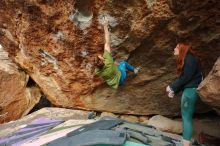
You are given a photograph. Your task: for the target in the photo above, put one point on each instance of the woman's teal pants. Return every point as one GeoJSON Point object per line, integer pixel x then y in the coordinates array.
{"type": "Point", "coordinates": [188, 102]}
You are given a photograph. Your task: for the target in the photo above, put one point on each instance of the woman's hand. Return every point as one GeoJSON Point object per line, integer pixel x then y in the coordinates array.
{"type": "Point", "coordinates": [170, 92]}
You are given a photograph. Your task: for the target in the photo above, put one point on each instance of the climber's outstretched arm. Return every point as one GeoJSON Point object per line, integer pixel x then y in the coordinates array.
{"type": "Point", "coordinates": [107, 35]}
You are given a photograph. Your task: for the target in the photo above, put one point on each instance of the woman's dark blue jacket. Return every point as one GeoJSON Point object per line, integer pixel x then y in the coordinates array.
{"type": "Point", "coordinates": [191, 75]}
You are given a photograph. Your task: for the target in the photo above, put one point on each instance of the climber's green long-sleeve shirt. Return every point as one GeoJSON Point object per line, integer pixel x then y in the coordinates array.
{"type": "Point", "coordinates": [109, 71]}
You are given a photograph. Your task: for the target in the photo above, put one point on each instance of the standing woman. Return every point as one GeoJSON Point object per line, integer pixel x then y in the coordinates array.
{"type": "Point", "coordinates": [190, 76]}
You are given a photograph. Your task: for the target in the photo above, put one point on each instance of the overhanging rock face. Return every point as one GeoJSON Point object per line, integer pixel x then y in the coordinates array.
{"type": "Point", "coordinates": [56, 42]}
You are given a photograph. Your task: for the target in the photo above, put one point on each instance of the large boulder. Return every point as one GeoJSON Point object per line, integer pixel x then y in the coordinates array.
{"type": "Point", "coordinates": [209, 89]}
{"type": "Point", "coordinates": [16, 98]}
{"type": "Point", "coordinates": [208, 125]}
{"type": "Point", "coordinates": [57, 41]}
{"type": "Point", "coordinates": [165, 124]}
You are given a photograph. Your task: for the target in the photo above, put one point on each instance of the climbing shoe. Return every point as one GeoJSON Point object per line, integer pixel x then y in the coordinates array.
{"type": "Point", "coordinates": [137, 69]}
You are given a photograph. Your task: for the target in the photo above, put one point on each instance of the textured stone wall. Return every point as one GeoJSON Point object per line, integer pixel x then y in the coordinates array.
{"type": "Point", "coordinates": [56, 41]}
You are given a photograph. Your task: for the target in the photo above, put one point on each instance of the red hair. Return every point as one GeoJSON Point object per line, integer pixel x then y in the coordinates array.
{"type": "Point", "coordinates": [184, 48]}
